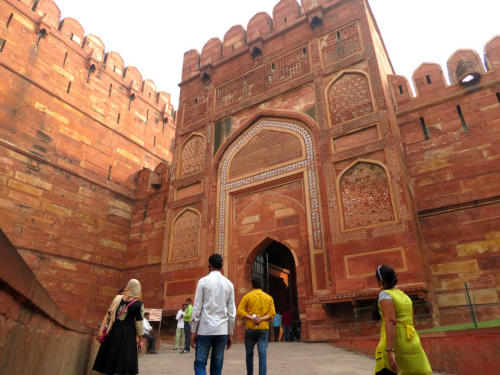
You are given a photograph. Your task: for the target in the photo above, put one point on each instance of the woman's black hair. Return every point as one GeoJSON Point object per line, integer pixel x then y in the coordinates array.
{"type": "Point", "coordinates": [387, 275]}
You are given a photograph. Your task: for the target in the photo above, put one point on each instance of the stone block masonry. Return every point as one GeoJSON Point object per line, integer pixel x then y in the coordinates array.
{"type": "Point", "coordinates": [36, 337]}
{"type": "Point", "coordinates": [294, 134]}
{"type": "Point", "coordinates": [454, 169]}
{"type": "Point", "coordinates": [295, 121]}
{"type": "Point", "coordinates": [392, 178]}
{"type": "Point", "coordinates": [448, 351]}
{"type": "Point", "coordinates": [76, 127]}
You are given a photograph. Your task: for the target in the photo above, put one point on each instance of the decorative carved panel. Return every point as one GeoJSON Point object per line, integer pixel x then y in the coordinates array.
{"type": "Point", "coordinates": [307, 164]}
{"type": "Point", "coordinates": [362, 264]}
{"type": "Point", "coordinates": [349, 97]}
{"type": "Point", "coordinates": [265, 77]}
{"type": "Point", "coordinates": [185, 236]}
{"type": "Point", "coordinates": [193, 154]}
{"type": "Point", "coordinates": [188, 191]}
{"type": "Point", "coordinates": [264, 150]}
{"type": "Point", "coordinates": [366, 196]}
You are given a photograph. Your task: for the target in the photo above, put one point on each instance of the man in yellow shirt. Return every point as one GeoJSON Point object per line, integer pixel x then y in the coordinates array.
{"type": "Point", "coordinates": [257, 308]}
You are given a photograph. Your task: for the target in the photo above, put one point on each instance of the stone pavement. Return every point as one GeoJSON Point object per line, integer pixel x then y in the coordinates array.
{"type": "Point", "coordinates": [291, 358]}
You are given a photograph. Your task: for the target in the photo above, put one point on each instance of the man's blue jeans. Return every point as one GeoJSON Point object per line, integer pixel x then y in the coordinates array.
{"type": "Point", "coordinates": [259, 337]}
{"type": "Point", "coordinates": [203, 345]}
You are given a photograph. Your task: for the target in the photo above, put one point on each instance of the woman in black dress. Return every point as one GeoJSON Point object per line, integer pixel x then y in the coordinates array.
{"type": "Point", "coordinates": [118, 352]}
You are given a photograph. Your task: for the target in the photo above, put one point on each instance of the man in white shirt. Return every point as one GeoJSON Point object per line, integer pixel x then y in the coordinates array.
{"type": "Point", "coordinates": [212, 322]}
{"type": "Point", "coordinates": [148, 334]}
{"type": "Point", "coordinates": [179, 332]}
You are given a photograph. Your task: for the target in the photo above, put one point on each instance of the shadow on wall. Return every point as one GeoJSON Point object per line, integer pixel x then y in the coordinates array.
{"type": "Point", "coordinates": [36, 336]}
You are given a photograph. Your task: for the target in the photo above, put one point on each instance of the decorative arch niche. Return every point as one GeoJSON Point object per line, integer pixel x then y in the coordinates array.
{"type": "Point", "coordinates": [185, 236]}
{"type": "Point", "coordinates": [297, 155]}
{"type": "Point", "coordinates": [266, 149]}
{"type": "Point", "coordinates": [192, 155]}
{"type": "Point", "coordinates": [366, 196]}
{"type": "Point", "coordinates": [349, 97]}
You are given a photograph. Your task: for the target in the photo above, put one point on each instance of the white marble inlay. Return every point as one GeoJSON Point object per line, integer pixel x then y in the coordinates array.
{"type": "Point", "coordinates": [307, 163]}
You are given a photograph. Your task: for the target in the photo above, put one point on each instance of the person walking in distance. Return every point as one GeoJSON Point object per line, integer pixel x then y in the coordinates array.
{"type": "Point", "coordinates": [286, 318]}
{"type": "Point", "coordinates": [187, 325]}
{"type": "Point", "coordinates": [214, 313]}
{"type": "Point", "coordinates": [179, 332]}
{"type": "Point", "coordinates": [257, 308]}
{"type": "Point", "coordinates": [276, 327]}
{"type": "Point", "coordinates": [149, 335]}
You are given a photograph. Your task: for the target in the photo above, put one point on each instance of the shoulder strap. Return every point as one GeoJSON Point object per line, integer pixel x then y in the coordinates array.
{"type": "Point", "coordinates": [126, 307]}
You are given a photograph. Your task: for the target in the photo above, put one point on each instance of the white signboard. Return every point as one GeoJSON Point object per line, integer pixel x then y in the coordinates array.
{"type": "Point", "coordinates": [154, 314]}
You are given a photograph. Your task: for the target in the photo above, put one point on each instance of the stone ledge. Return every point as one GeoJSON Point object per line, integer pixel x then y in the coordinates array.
{"type": "Point", "coordinates": [17, 275]}
{"type": "Point", "coordinates": [476, 351]}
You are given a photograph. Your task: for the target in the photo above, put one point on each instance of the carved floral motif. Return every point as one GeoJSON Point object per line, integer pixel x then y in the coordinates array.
{"type": "Point", "coordinates": [307, 163]}
{"type": "Point", "coordinates": [266, 149]}
{"type": "Point", "coordinates": [349, 97]}
{"type": "Point", "coordinates": [366, 197]}
{"type": "Point", "coordinates": [192, 155]}
{"type": "Point", "coordinates": [185, 236]}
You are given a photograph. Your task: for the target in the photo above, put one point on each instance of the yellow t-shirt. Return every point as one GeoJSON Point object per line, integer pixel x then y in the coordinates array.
{"type": "Point", "coordinates": [259, 303]}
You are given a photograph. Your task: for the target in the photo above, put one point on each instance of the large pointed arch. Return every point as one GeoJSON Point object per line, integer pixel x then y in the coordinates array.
{"type": "Point", "coordinates": [260, 246]}
{"type": "Point", "coordinates": [304, 164]}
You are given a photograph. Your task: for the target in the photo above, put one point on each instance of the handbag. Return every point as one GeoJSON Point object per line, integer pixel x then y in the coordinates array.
{"type": "Point", "coordinates": [105, 331]}
{"type": "Point", "coordinates": [103, 336]}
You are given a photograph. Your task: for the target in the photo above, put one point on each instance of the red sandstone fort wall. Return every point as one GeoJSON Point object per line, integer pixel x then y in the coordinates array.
{"type": "Point", "coordinates": [449, 351]}
{"type": "Point", "coordinates": [89, 201]}
{"type": "Point", "coordinates": [325, 67]}
{"type": "Point", "coordinates": [321, 67]}
{"type": "Point", "coordinates": [455, 175]}
{"type": "Point", "coordinates": [147, 233]}
{"type": "Point", "coordinates": [77, 126]}
{"type": "Point", "coordinates": [34, 331]}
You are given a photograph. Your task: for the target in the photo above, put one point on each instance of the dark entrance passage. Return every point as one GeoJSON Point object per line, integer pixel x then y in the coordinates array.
{"type": "Point", "coordinates": [275, 266]}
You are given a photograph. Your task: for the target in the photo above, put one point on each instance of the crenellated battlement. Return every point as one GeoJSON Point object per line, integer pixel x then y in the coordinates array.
{"type": "Point", "coordinates": [261, 27]}
{"type": "Point", "coordinates": [77, 126]}
{"type": "Point", "coordinates": [96, 98]}
{"type": "Point", "coordinates": [46, 16]}
{"type": "Point", "coordinates": [295, 138]}
{"type": "Point", "coordinates": [465, 69]}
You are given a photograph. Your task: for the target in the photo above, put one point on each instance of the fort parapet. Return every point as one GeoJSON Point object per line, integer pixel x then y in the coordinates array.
{"type": "Point", "coordinates": [298, 154]}
{"type": "Point", "coordinates": [396, 179]}
{"type": "Point", "coordinates": [77, 125]}
{"type": "Point", "coordinates": [450, 134]}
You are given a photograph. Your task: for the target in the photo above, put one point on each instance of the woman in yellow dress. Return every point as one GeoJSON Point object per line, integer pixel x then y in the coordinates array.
{"type": "Point", "coordinates": [399, 350]}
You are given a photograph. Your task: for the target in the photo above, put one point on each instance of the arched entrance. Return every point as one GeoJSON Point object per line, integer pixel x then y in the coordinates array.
{"type": "Point", "coordinates": [268, 189]}
{"type": "Point", "coordinates": [275, 266]}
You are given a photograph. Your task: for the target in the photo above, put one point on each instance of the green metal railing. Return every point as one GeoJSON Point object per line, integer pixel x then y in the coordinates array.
{"type": "Point", "coordinates": [474, 313]}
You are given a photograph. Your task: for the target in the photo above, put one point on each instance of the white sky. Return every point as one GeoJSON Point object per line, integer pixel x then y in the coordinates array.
{"type": "Point", "coordinates": [154, 34]}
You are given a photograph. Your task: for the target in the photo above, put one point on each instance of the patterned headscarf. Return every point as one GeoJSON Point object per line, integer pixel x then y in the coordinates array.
{"type": "Point", "coordinates": [133, 289]}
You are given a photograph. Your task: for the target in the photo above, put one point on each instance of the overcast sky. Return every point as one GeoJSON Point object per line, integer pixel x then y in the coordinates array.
{"type": "Point", "coordinates": [154, 34]}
